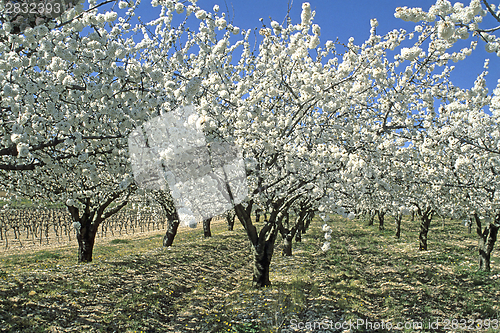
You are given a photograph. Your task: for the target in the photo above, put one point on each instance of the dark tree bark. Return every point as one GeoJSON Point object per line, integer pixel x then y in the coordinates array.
{"type": "Point", "coordinates": [288, 234]}
{"type": "Point", "coordinates": [371, 217]}
{"type": "Point", "coordinates": [287, 243]}
{"type": "Point", "coordinates": [86, 239]}
{"type": "Point", "coordinates": [230, 217]}
{"type": "Point", "coordinates": [287, 220]}
{"type": "Point", "coordinates": [89, 221]}
{"type": "Point", "coordinates": [486, 242]}
{"type": "Point", "coordinates": [425, 222]}
{"type": "Point", "coordinates": [381, 216]}
{"type": "Point", "coordinates": [398, 225]}
{"type": "Point", "coordinates": [206, 228]}
{"type": "Point", "coordinates": [261, 214]}
{"type": "Point", "coordinates": [257, 215]}
{"type": "Point", "coordinates": [164, 199]}
{"type": "Point", "coordinates": [172, 226]}
{"type": "Point", "coordinates": [469, 224]}
{"type": "Point", "coordinates": [262, 243]}
{"type": "Point", "coordinates": [298, 235]}
{"type": "Point", "coordinates": [308, 220]}
{"type": "Point", "coordinates": [263, 254]}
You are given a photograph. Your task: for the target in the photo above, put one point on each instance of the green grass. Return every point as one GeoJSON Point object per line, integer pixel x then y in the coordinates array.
{"type": "Point", "coordinates": [120, 241]}
{"type": "Point", "coordinates": [46, 255]}
{"type": "Point", "coordinates": [204, 285]}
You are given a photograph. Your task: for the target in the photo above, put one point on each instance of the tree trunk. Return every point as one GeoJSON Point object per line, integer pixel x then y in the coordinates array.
{"type": "Point", "coordinates": [287, 220]}
{"type": "Point", "coordinates": [262, 243]}
{"type": "Point", "coordinates": [206, 228]}
{"type": "Point", "coordinates": [89, 222]}
{"type": "Point", "coordinates": [287, 246]}
{"type": "Point", "coordinates": [263, 253]}
{"type": "Point", "coordinates": [486, 243]}
{"type": "Point", "coordinates": [298, 235]}
{"type": "Point", "coordinates": [287, 241]}
{"type": "Point", "coordinates": [372, 217]}
{"type": "Point", "coordinates": [86, 238]}
{"type": "Point", "coordinates": [398, 225]}
{"type": "Point", "coordinates": [425, 222]}
{"type": "Point", "coordinates": [172, 226]}
{"type": "Point", "coordinates": [308, 221]}
{"type": "Point", "coordinates": [288, 234]}
{"type": "Point", "coordinates": [257, 215]}
{"type": "Point", "coordinates": [230, 216]}
{"type": "Point", "coordinates": [381, 216]}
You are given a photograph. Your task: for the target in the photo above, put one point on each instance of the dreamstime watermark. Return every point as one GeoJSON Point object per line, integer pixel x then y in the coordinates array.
{"type": "Point", "coordinates": [170, 152]}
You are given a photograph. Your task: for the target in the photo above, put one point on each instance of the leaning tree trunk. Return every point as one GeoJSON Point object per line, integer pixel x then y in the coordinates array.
{"type": "Point", "coordinates": [486, 243]}
{"type": "Point", "coordinates": [206, 228]}
{"type": "Point", "coordinates": [398, 225]}
{"type": "Point", "coordinates": [425, 222]}
{"type": "Point", "coordinates": [172, 226]}
{"type": "Point", "coordinates": [262, 255]}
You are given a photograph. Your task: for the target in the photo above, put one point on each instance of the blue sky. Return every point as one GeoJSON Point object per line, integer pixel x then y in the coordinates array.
{"type": "Point", "coordinates": [344, 19]}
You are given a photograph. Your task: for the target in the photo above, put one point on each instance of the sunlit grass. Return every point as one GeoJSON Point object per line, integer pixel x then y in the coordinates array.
{"type": "Point", "coordinates": [204, 285]}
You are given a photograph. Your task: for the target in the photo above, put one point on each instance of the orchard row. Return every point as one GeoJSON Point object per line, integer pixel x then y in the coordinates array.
{"type": "Point", "coordinates": [322, 125]}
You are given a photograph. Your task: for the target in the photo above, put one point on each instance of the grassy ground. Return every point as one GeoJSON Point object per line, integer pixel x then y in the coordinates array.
{"type": "Point", "coordinates": [204, 285]}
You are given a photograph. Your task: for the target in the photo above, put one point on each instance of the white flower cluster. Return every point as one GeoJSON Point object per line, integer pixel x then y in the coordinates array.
{"type": "Point", "coordinates": [446, 29]}
{"type": "Point", "coordinates": [179, 7]}
{"type": "Point", "coordinates": [457, 21]}
{"type": "Point", "coordinates": [201, 14]}
{"type": "Point", "coordinates": [77, 226]}
{"type": "Point", "coordinates": [328, 236]}
{"type": "Point", "coordinates": [413, 14]}
{"type": "Point", "coordinates": [495, 101]}
{"type": "Point", "coordinates": [306, 15]}
{"type": "Point", "coordinates": [410, 53]}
